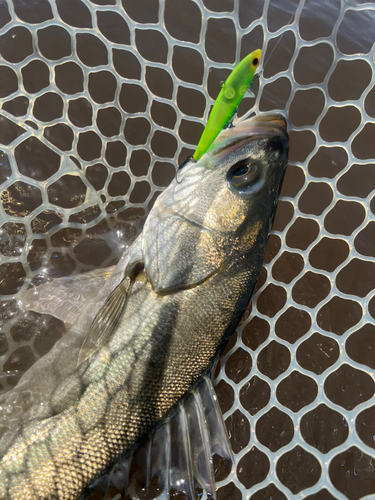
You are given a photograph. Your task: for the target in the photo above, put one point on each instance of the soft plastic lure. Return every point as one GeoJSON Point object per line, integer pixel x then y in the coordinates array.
{"type": "Point", "coordinates": [228, 100]}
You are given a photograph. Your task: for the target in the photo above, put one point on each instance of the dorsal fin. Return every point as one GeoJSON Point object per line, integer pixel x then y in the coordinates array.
{"type": "Point", "coordinates": [67, 298]}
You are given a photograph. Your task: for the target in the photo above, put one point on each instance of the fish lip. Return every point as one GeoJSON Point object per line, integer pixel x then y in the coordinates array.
{"type": "Point", "coordinates": [275, 118]}
{"type": "Point", "coordinates": [270, 124]}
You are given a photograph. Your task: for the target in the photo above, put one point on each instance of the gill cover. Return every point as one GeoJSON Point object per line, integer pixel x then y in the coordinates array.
{"type": "Point", "coordinates": [178, 253]}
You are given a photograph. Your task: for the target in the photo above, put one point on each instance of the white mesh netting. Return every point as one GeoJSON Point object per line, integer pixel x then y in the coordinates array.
{"type": "Point", "coordinates": [100, 101]}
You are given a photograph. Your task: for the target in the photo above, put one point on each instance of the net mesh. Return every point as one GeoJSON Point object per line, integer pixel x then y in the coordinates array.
{"type": "Point", "coordinates": [99, 102]}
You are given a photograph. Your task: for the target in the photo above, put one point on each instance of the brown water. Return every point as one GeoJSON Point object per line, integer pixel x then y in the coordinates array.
{"type": "Point", "coordinates": [101, 100]}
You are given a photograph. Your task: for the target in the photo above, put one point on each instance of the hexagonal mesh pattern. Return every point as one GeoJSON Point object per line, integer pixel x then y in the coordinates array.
{"type": "Point", "coordinates": [101, 99]}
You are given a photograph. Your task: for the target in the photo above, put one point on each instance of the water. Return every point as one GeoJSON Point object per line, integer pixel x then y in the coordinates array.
{"type": "Point", "coordinates": [100, 101]}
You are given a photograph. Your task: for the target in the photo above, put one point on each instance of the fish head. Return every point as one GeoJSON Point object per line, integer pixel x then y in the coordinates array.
{"type": "Point", "coordinates": [219, 209]}
{"type": "Point", "coordinates": [234, 187]}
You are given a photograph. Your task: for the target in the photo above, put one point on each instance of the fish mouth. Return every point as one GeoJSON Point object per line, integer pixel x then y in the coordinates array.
{"type": "Point", "coordinates": [270, 124]}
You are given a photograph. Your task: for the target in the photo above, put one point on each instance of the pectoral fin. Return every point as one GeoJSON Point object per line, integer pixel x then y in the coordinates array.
{"type": "Point", "coordinates": [105, 321]}
{"type": "Point", "coordinates": [107, 318]}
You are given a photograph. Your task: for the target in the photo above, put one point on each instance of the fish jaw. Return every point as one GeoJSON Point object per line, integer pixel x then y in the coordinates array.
{"type": "Point", "coordinates": [231, 139]}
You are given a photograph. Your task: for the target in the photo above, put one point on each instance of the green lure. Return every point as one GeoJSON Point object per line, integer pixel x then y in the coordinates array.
{"type": "Point", "coordinates": [228, 100]}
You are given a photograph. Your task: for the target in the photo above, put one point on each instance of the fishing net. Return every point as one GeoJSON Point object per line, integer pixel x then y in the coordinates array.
{"type": "Point", "coordinates": [101, 99]}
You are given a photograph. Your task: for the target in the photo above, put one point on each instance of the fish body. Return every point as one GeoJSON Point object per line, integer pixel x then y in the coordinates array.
{"type": "Point", "coordinates": [193, 269]}
{"type": "Point", "coordinates": [228, 100]}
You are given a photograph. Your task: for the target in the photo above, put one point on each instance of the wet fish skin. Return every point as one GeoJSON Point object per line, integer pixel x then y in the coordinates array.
{"type": "Point", "coordinates": [202, 248]}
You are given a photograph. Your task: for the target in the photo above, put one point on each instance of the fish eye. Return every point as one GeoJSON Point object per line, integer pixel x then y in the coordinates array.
{"type": "Point", "coordinates": [241, 171]}
{"type": "Point", "coordinates": [243, 175]}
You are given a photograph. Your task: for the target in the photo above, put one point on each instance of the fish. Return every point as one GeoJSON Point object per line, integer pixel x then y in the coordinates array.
{"type": "Point", "coordinates": [231, 94]}
{"type": "Point", "coordinates": [175, 299]}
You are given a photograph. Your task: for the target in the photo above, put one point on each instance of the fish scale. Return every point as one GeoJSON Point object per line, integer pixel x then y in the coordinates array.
{"type": "Point", "coordinates": [136, 414]}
